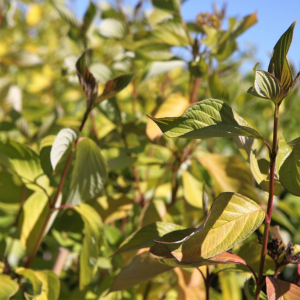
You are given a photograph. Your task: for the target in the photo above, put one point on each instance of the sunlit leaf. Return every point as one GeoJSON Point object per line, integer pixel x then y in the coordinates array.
{"type": "Point", "coordinates": [244, 145]}
{"type": "Point", "coordinates": [23, 59]}
{"type": "Point", "coordinates": [89, 172]}
{"type": "Point", "coordinates": [112, 28]}
{"type": "Point", "coordinates": [45, 150]}
{"type": "Point", "coordinates": [192, 190]}
{"type": "Point", "coordinates": [205, 119]}
{"type": "Point", "coordinates": [33, 216]}
{"type": "Point", "coordinates": [278, 64]}
{"type": "Point", "coordinates": [24, 162]}
{"type": "Point", "coordinates": [91, 243]}
{"type": "Point", "coordinates": [249, 290]}
{"type": "Point", "coordinates": [168, 5]}
{"type": "Point", "coordinates": [142, 268]}
{"type": "Point", "coordinates": [266, 86]}
{"type": "Point", "coordinates": [8, 287]}
{"type": "Point", "coordinates": [174, 105]}
{"type": "Point", "coordinates": [288, 164]}
{"type": "Point", "coordinates": [229, 287]}
{"type": "Point", "coordinates": [144, 237]}
{"type": "Point", "coordinates": [232, 219]}
{"type": "Point", "coordinates": [279, 289]}
{"type": "Point", "coordinates": [45, 283]}
{"type": "Point", "coordinates": [34, 14]}
{"type": "Point", "coordinates": [64, 139]}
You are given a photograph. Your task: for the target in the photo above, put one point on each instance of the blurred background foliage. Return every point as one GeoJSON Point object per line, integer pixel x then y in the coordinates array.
{"type": "Point", "coordinates": [150, 178]}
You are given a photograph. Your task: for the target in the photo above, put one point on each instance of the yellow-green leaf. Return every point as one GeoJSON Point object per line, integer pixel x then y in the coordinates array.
{"type": "Point", "coordinates": [192, 190]}
{"type": "Point", "coordinates": [205, 119]}
{"type": "Point", "coordinates": [231, 220]}
{"type": "Point", "coordinates": [90, 249]}
{"type": "Point", "coordinates": [8, 287]}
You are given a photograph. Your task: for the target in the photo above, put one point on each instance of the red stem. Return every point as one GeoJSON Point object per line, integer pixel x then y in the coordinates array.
{"type": "Point", "coordinates": [260, 281]}
{"type": "Point", "coordinates": [193, 96]}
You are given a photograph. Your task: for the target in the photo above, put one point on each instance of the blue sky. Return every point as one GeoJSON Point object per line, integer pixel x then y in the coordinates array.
{"type": "Point", "coordinates": [274, 17]}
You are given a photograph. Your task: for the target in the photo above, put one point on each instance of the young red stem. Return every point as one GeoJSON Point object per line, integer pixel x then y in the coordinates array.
{"type": "Point", "coordinates": [260, 281]}
{"type": "Point", "coordinates": [297, 281]}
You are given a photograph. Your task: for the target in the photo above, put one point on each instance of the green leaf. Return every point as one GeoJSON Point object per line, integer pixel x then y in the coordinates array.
{"type": "Point", "coordinates": [89, 16]}
{"type": "Point", "coordinates": [45, 283]}
{"type": "Point", "coordinates": [8, 287]}
{"type": "Point", "coordinates": [63, 141]}
{"type": "Point", "coordinates": [266, 86]}
{"type": "Point", "coordinates": [142, 268]}
{"type": "Point", "coordinates": [192, 190]}
{"type": "Point", "coordinates": [279, 289]}
{"type": "Point", "coordinates": [20, 122]}
{"type": "Point", "coordinates": [90, 249]}
{"type": "Point", "coordinates": [112, 28]}
{"type": "Point", "coordinates": [260, 171]}
{"type": "Point", "coordinates": [278, 64]}
{"type": "Point", "coordinates": [22, 59]}
{"type": "Point", "coordinates": [168, 5]}
{"type": "Point", "coordinates": [288, 164]}
{"type": "Point", "coordinates": [33, 216]}
{"type": "Point", "coordinates": [114, 86]}
{"type": "Point", "coordinates": [144, 237]}
{"type": "Point", "coordinates": [231, 220]}
{"type": "Point", "coordinates": [217, 89]}
{"type": "Point", "coordinates": [244, 145]}
{"type": "Point", "coordinates": [243, 24]}
{"type": "Point", "coordinates": [45, 150]}
{"type": "Point", "coordinates": [24, 162]}
{"type": "Point", "coordinates": [67, 15]}
{"type": "Point", "coordinates": [229, 287]}
{"type": "Point", "coordinates": [87, 80]}
{"type": "Point", "coordinates": [205, 119]}
{"type": "Point", "coordinates": [89, 173]}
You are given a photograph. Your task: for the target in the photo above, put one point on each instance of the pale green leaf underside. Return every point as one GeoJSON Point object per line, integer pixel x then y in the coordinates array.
{"type": "Point", "coordinates": [267, 86]}
{"type": "Point", "coordinates": [206, 119]}
{"type": "Point", "coordinates": [288, 165]}
{"type": "Point", "coordinates": [91, 242]}
{"type": "Point", "coordinates": [62, 142]}
{"type": "Point", "coordinates": [232, 219]}
{"type": "Point", "coordinates": [89, 173]}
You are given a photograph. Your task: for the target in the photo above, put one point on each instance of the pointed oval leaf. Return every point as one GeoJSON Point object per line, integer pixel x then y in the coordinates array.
{"type": "Point", "coordinates": [90, 249]}
{"type": "Point", "coordinates": [89, 173]}
{"type": "Point", "coordinates": [114, 86]}
{"type": "Point", "coordinates": [65, 139]}
{"type": "Point", "coordinates": [89, 16]}
{"type": "Point", "coordinates": [206, 119]}
{"type": "Point", "coordinates": [231, 220]}
{"type": "Point", "coordinates": [8, 287]}
{"type": "Point", "coordinates": [278, 64]}
{"type": "Point", "coordinates": [279, 289]}
{"type": "Point", "coordinates": [144, 237]}
{"type": "Point", "coordinates": [267, 86]}
{"type": "Point", "coordinates": [288, 165]}
{"type": "Point", "coordinates": [67, 15]}
{"type": "Point", "coordinates": [142, 268]}
{"type": "Point", "coordinates": [168, 5]}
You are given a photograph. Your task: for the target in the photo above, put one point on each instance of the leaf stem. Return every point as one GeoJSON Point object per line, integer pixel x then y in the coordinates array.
{"type": "Point", "coordinates": [270, 204]}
